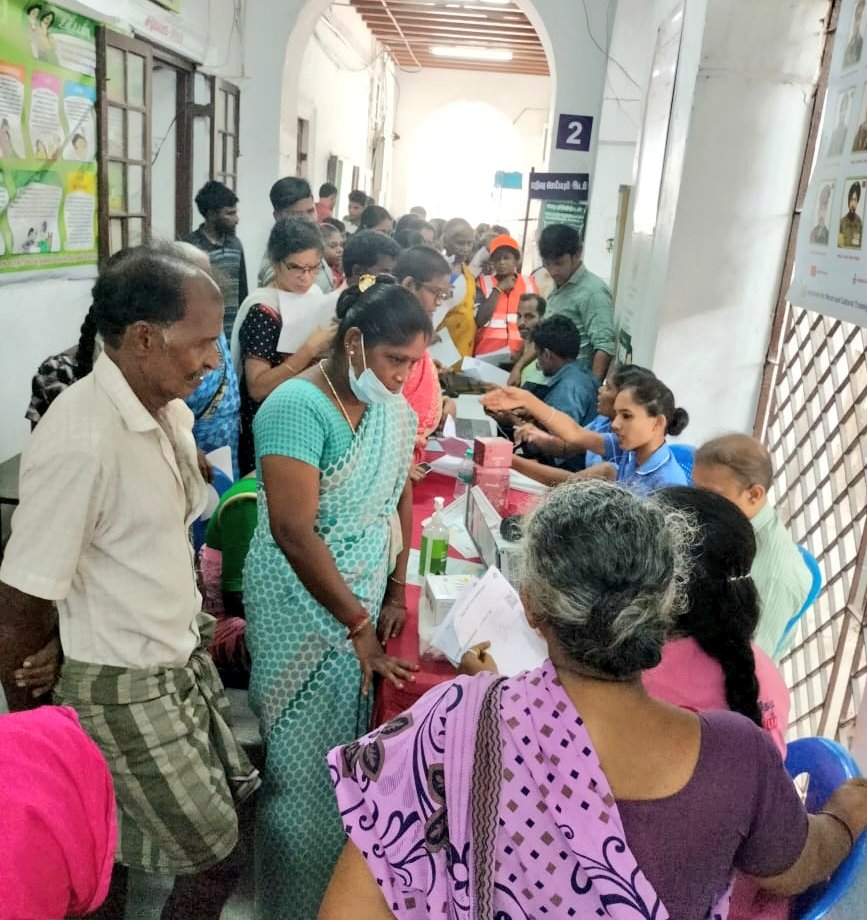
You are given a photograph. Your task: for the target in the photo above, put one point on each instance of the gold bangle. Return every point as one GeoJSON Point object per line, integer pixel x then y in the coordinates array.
{"type": "Point", "coordinates": [292, 369]}
{"type": "Point", "coordinates": [359, 627]}
{"type": "Point", "coordinates": [551, 416]}
{"type": "Point", "coordinates": [397, 581]}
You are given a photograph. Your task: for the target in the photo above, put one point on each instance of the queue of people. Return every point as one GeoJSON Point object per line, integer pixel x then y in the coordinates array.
{"type": "Point", "coordinates": [655, 726]}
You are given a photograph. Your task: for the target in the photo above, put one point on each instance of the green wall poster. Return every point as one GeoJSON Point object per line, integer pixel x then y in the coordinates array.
{"type": "Point", "coordinates": [47, 139]}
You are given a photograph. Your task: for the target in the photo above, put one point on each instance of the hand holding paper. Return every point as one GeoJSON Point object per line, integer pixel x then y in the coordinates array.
{"type": "Point", "coordinates": [491, 612]}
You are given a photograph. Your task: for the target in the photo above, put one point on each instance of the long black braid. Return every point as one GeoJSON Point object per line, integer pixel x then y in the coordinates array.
{"type": "Point", "coordinates": [722, 609]}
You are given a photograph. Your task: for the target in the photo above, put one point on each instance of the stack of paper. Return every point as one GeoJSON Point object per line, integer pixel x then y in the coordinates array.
{"type": "Point", "coordinates": [492, 612]}
{"type": "Point", "coordinates": [484, 372]}
{"type": "Point", "coordinates": [302, 314]}
{"type": "Point", "coordinates": [443, 349]}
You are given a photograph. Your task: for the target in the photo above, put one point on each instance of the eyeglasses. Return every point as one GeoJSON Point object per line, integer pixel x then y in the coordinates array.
{"type": "Point", "coordinates": [302, 269]}
{"type": "Point", "coordinates": [440, 295]}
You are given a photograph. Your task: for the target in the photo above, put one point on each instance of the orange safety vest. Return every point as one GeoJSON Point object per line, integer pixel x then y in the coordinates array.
{"type": "Point", "coordinates": [502, 330]}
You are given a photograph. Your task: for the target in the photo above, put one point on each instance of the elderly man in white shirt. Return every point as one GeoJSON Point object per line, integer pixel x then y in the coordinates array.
{"type": "Point", "coordinates": [109, 487]}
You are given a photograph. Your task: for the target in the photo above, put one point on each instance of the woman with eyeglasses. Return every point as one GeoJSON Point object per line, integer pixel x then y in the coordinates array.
{"type": "Point", "coordinates": [426, 273]}
{"type": "Point", "coordinates": [295, 250]}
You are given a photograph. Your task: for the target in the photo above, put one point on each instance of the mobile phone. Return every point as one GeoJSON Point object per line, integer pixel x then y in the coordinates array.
{"type": "Point", "coordinates": [424, 468]}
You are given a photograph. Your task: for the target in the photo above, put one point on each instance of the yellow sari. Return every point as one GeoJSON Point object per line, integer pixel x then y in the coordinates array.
{"type": "Point", "coordinates": [461, 319]}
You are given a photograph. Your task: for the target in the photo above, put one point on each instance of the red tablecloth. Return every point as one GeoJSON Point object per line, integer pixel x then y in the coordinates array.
{"type": "Point", "coordinates": [390, 701]}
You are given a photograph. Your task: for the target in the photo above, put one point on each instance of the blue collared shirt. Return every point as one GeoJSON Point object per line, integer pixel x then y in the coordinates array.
{"type": "Point", "coordinates": [601, 425]}
{"type": "Point", "coordinates": [658, 471]}
{"type": "Point", "coordinates": [572, 391]}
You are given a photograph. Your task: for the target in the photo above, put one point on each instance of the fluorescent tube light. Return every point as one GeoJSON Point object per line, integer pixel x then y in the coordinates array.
{"type": "Point", "coordinates": [471, 53]}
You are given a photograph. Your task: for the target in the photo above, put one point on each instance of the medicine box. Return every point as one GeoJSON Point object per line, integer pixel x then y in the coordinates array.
{"type": "Point", "coordinates": [439, 594]}
{"type": "Point", "coordinates": [493, 453]}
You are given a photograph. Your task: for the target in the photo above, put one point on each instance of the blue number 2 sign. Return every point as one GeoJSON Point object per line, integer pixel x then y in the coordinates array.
{"type": "Point", "coordinates": [573, 132]}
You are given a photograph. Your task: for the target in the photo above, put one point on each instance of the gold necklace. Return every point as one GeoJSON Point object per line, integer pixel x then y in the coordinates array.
{"type": "Point", "coordinates": [334, 392]}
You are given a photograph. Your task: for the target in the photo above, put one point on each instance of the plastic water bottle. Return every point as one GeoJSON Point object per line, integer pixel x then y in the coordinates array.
{"type": "Point", "coordinates": [465, 476]}
{"type": "Point", "coordinates": [434, 543]}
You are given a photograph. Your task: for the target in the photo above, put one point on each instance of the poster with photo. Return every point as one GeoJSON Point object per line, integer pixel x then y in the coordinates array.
{"type": "Point", "coordinates": [831, 257]}
{"type": "Point", "coordinates": [47, 140]}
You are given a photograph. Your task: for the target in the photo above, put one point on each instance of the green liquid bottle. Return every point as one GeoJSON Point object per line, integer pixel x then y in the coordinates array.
{"type": "Point", "coordinates": [434, 543]}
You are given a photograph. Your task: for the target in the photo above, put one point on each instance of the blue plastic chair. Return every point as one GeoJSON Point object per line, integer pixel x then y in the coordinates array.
{"type": "Point", "coordinates": [220, 485]}
{"type": "Point", "coordinates": [815, 591]}
{"type": "Point", "coordinates": [828, 765]}
{"type": "Point", "coordinates": [684, 454]}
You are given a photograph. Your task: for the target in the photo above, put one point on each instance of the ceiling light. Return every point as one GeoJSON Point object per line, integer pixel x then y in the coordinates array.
{"type": "Point", "coordinates": [471, 53]}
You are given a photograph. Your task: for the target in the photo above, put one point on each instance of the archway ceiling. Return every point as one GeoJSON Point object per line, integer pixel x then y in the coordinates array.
{"type": "Point", "coordinates": [421, 25]}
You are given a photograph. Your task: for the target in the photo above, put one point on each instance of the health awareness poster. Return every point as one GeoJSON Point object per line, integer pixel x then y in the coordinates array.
{"type": "Point", "coordinates": [831, 256]}
{"type": "Point", "coordinates": [47, 139]}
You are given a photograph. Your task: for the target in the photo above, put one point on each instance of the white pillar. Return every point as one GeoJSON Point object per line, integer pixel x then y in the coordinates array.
{"type": "Point", "coordinates": [703, 287]}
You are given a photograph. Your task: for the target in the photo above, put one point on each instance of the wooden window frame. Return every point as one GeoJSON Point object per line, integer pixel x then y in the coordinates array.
{"type": "Point", "coordinates": [302, 147]}
{"type": "Point", "coordinates": [221, 91]}
{"type": "Point", "coordinates": [107, 39]}
{"type": "Point", "coordinates": [183, 151]}
{"type": "Point", "coordinates": [184, 107]}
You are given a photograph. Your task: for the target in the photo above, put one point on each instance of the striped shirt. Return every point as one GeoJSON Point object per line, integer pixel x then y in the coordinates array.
{"type": "Point", "coordinates": [782, 579]}
{"type": "Point", "coordinates": [228, 259]}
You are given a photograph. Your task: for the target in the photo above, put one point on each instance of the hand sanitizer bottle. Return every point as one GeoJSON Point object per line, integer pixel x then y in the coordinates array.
{"type": "Point", "coordinates": [434, 543]}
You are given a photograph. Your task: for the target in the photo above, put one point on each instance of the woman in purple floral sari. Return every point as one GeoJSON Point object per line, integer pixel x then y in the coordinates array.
{"type": "Point", "coordinates": [567, 791]}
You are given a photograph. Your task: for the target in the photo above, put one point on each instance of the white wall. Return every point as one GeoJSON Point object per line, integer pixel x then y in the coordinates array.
{"type": "Point", "coordinates": [334, 94]}
{"type": "Point", "coordinates": [632, 35]}
{"type": "Point", "coordinates": [426, 160]}
{"type": "Point", "coordinates": [704, 286]}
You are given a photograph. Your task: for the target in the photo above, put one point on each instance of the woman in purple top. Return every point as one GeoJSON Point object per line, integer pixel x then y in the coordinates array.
{"type": "Point", "coordinates": [567, 791]}
{"type": "Point", "coordinates": [709, 661]}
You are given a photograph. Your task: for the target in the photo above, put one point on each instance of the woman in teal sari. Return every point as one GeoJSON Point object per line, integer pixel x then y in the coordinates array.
{"type": "Point", "coordinates": [325, 576]}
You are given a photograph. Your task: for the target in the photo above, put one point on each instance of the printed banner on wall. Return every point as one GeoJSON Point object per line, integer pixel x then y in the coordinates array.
{"type": "Point", "coordinates": [47, 139]}
{"type": "Point", "coordinates": [831, 256]}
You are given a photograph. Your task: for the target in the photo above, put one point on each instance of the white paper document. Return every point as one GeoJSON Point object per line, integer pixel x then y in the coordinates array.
{"type": "Point", "coordinates": [484, 372]}
{"type": "Point", "coordinates": [454, 517]}
{"type": "Point", "coordinates": [221, 459]}
{"type": "Point", "coordinates": [521, 483]}
{"type": "Point", "coordinates": [501, 356]}
{"type": "Point", "coordinates": [468, 406]}
{"type": "Point", "coordinates": [301, 315]}
{"type": "Point", "coordinates": [491, 612]}
{"type": "Point", "coordinates": [444, 351]}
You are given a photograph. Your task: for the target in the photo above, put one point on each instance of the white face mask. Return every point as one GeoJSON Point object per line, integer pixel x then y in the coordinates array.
{"type": "Point", "coordinates": [367, 387]}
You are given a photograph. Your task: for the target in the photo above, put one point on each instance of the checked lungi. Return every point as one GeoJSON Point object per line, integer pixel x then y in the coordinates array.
{"type": "Point", "coordinates": [178, 770]}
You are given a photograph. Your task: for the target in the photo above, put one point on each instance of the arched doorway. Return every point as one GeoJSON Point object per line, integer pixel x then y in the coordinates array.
{"type": "Point", "coordinates": [449, 157]}
{"type": "Point", "coordinates": [303, 31]}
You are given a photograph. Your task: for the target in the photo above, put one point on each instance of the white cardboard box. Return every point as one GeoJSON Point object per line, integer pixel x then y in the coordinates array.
{"type": "Point", "coordinates": [438, 596]}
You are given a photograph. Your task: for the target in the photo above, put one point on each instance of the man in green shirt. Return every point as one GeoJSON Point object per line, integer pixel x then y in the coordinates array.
{"type": "Point", "coordinates": [739, 468]}
{"type": "Point", "coordinates": [580, 295]}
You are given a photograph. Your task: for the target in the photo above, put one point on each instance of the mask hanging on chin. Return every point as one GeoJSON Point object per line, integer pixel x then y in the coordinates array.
{"type": "Point", "coordinates": [367, 387]}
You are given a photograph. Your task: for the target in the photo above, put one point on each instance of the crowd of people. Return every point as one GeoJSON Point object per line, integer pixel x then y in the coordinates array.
{"type": "Point", "coordinates": [649, 743]}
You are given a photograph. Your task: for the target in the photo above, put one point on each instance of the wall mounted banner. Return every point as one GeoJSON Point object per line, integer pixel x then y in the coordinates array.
{"type": "Point", "coordinates": [831, 256]}
{"type": "Point", "coordinates": [571, 213]}
{"type": "Point", "coordinates": [47, 139]}
{"type": "Point", "coordinates": [559, 186]}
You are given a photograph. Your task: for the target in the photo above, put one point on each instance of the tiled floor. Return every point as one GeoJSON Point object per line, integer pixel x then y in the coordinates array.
{"type": "Point", "coordinates": [241, 904]}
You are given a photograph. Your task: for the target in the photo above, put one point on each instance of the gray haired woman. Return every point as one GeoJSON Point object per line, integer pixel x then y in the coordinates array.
{"type": "Point", "coordinates": [567, 787]}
